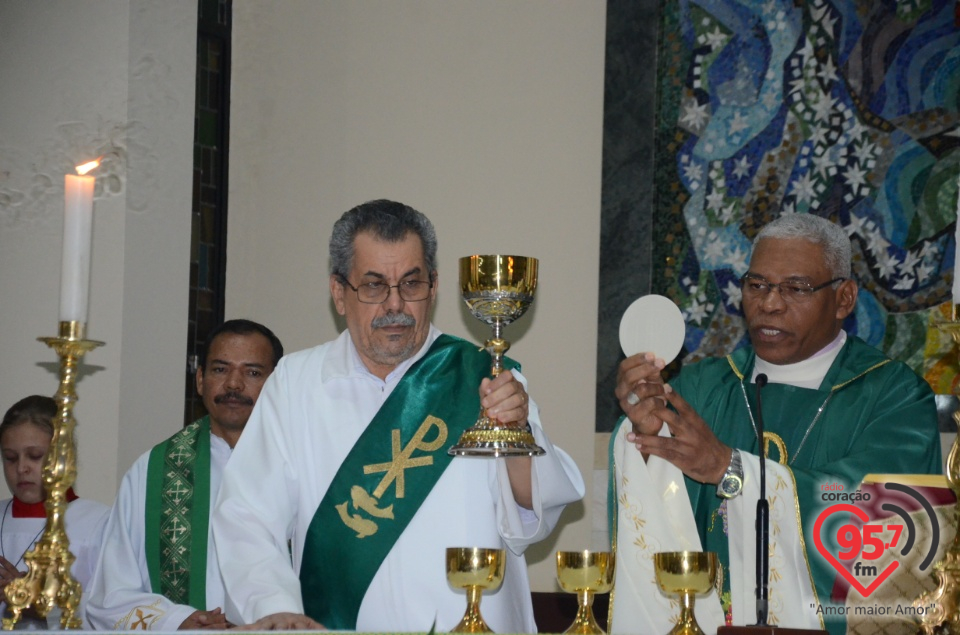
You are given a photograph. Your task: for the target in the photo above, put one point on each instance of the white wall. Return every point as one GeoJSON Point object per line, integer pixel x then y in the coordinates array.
{"type": "Point", "coordinates": [486, 116]}
{"type": "Point", "coordinates": [83, 79]}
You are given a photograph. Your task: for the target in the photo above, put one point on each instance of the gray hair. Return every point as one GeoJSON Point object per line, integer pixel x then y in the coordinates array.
{"type": "Point", "coordinates": [388, 221]}
{"type": "Point", "coordinates": [820, 231]}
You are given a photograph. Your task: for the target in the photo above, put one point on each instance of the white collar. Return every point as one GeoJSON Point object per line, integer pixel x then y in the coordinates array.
{"type": "Point", "coordinates": [808, 373]}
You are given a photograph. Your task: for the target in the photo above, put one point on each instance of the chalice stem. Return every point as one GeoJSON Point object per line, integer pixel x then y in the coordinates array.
{"type": "Point", "coordinates": [472, 621]}
{"type": "Point", "coordinates": [497, 347]}
{"type": "Point", "coordinates": [585, 623]}
{"type": "Point", "coordinates": [687, 624]}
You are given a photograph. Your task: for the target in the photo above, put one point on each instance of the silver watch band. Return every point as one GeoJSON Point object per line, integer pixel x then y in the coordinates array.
{"type": "Point", "coordinates": [732, 482]}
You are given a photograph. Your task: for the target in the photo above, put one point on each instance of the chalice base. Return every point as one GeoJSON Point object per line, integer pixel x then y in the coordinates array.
{"type": "Point", "coordinates": [472, 624]}
{"type": "Point", "coordinates": [585, 623]}
{"type": "Point", "coordinates": [490, 438]}
{"type": "Point", "coordinates": [687, 624]}
{"type": "Point", "coordinates": [472, 621]}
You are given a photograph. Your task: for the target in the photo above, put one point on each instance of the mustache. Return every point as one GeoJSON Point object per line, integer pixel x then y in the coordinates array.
{"type": "Point", "coordinates": [233, 396]}
{"type": "Point", "coordinates": [393, 319]}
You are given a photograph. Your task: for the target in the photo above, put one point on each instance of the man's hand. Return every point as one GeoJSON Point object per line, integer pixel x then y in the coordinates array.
{"type": "Point", "coordinates": [692, 446]}
{"type": "Point", "coordinates": [504, 399]}
{"type": "Point", "coordinates": [213, 620]}
{"type": "Point", "coordinates": [283, 622]}
{"type": "Point", "coordinates": [641, 390]}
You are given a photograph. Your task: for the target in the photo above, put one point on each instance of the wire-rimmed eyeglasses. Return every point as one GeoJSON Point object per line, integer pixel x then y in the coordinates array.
{"type": "Point", "coordinates": [378, 292]}
{"type": "Point", "coordinates": [754, 286]}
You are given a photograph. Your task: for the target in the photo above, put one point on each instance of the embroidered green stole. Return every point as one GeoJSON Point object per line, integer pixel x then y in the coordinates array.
{"type": "Point", "coordinates": [177, 515]}
{"type": "Point", "coordinates": [386, 476]}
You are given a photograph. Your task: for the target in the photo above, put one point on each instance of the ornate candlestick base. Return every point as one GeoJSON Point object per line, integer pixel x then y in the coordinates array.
{"type": "Point", "coordinates": [945, 599]}
{"type": "Point", "coordinates": [48, 581]}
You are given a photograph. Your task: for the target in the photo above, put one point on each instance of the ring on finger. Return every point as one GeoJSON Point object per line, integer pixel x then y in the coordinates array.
{"type": "Point", "coordinates": [632, 398]}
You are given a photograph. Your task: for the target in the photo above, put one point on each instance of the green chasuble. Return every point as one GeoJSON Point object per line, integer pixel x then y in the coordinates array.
{"type": "Point", "coordinates": [369, 504]}
{"type": "Point", "coordinates": [177, 515]}
{"type": "Point", "coordinates": [880, 417]}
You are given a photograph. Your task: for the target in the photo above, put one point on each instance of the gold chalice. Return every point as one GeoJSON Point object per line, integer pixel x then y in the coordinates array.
{"type": "Point", "coordinates": [687, 574]}
{"type": "Point", "coordinates": [585, 573]}
{"type": "Point", "coordinates": [474, 569]}
{"type": "Point", "coordinates": [498, 290]}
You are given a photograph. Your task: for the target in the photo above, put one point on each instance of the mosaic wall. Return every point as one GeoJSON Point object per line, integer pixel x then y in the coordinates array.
{"type": "Point", "coordinates": [844, 109]}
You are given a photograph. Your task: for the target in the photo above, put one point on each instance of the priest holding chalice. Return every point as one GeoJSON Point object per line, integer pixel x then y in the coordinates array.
{"type": "Point", "coordinates": [347, 458]}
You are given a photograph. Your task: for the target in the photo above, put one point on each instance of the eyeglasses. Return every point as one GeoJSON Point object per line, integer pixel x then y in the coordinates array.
{"type": "Point", "coordinates": [378, 292]}
{"type": "Point", "coordinates": [756, 287]}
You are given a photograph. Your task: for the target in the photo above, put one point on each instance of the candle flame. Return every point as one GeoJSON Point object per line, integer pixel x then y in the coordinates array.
{"type": "Point", "coordinates": [86, 167]}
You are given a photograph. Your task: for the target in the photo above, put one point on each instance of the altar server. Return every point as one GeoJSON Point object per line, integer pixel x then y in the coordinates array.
{"type": "Point", "coordinates": [25, 435]}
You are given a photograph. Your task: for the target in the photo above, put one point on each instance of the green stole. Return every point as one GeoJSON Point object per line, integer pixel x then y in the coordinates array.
{"type": "Point", "coordinates": [870, 400]}
{"type": "Point", "coordinates": [838, 448]}
{"type": "Point", "coordinates": [386, 476]}
{"type": "Point", "coordinates": [177, 515]}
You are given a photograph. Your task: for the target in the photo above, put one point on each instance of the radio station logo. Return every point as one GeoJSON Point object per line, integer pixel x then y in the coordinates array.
{"type": "Point", "coordinates": [859, 545]}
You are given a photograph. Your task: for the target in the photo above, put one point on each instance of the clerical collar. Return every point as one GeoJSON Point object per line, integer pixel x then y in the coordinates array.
{"type": "Point", "coordinates": [36, 510]}
{"type": "Point", "coordinates": [808, 373]}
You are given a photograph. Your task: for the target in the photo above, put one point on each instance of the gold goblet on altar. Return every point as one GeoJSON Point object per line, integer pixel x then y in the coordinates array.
{"type": "Point", "coordinates": [585, 573]}
{"type": "Point", "coordinates": [497, 290]}
{"type": "Point", "coordinates": [474, 569]}
{"type": "Point", "coordinates": [686, 574]}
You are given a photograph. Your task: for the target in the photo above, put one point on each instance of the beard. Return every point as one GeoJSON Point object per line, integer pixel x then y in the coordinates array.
{"type": "Point", "coordinates": [404, 345]}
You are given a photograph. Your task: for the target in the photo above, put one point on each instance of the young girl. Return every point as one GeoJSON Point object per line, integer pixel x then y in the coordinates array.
{"type": "Point", "coordinates": [25, 434]}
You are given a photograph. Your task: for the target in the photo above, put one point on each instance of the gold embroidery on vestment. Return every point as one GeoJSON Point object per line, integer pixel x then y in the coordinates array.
{"type": "Point", "coordinates": [775, 439]}
{"type": "Point", "coordinates": [366, 502]}
{"type": "Point", "coordinates": [356, 522]}
{"type": "Point", "coordinates": [402, 459]}
{"type": "Point", "coordinates": [141, 618]}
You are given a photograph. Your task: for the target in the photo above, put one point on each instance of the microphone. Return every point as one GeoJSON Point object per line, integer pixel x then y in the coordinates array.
{"type": "Point", "coordinates": [763, 517]}
{"type": "Point", "coordinates": [763, 548]}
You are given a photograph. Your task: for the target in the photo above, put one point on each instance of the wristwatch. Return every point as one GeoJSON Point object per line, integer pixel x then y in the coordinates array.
{"type": "Point", "coordinates": [732, 482]}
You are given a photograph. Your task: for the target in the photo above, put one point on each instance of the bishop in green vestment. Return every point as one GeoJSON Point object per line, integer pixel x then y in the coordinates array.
{"type": "Point", "coordinates": [835, 409]}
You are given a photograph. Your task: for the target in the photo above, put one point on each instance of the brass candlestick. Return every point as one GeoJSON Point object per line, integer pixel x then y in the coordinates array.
{"type": "Point", "coordinates": [48, 581]}
{"type": "Point", "coordinates": [945, 599]}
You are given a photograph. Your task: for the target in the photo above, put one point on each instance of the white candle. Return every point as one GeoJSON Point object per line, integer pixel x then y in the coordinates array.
{"type": "Point", "coordinates": [956, 253]}
{"type": "Point", "coordinates": [77, 237]}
